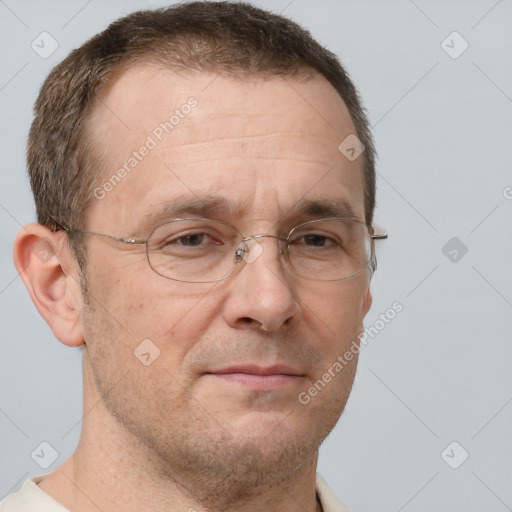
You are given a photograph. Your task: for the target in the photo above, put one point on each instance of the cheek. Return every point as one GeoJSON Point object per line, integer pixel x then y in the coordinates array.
{"type": "Point", "coordinates": [138, 298]}
{"type": "Point", "coordinates": [177, 314]}
{"type": "Point", "coordinates": [337, 308]}
{"type": "Point", "coordinates": [173, 316]}
{"type": "Point", "coordinates": [136, 353]}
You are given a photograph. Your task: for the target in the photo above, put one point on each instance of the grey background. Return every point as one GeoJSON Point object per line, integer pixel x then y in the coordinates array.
{"type": "Point", "coordinates": [440, 370]}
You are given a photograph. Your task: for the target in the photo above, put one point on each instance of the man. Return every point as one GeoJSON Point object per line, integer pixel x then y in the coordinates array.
{"type": "Point", "coordinates": [204, 183]}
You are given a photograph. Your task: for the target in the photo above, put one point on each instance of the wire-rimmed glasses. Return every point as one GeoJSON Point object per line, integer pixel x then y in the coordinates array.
{"type": "Point", "coordinates": [197, 250]}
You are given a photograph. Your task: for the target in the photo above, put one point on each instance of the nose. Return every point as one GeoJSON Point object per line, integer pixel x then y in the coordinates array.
{"type": "Point", "coordinates": [262, 296]}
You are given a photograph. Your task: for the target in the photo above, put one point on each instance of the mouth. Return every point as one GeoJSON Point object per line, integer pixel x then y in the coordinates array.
{"type": "Point", "coordinates": [258, 378]}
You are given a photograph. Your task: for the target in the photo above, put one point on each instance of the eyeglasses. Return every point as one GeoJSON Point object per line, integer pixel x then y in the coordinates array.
{"type": "Point", "coordinates": [205, 251]}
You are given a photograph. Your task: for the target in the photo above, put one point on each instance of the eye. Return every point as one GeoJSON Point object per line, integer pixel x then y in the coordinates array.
{"type": "Point", "coordinates": [192, 240]}
{"type": "Point", "coordinates": [315, 240]}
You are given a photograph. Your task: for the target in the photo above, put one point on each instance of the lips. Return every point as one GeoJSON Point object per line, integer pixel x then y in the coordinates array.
{"type": "Point", "coordinates": [254, 369]}
{"type": "Point", "coordinates": [258, 377]}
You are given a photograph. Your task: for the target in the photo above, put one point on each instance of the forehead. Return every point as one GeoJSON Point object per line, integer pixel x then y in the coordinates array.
{"type": "Point", "coordinates": [260, 142]}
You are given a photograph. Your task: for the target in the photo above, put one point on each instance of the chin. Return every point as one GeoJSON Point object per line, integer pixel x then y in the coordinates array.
{"type": "Point", "coordinates": [252, 465]}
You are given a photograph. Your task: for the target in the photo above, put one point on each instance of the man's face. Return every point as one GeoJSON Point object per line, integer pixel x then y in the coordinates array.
{"type": "Point", "coordinates": [254, 151]}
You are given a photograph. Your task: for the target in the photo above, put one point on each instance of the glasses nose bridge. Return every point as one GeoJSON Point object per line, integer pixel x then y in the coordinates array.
{"type": "Point", "coordinates": [254, 237]}
{"type": "Point", "coordinates": [244, 247]}
{"type": "Point", "coordinates": [257, 237]}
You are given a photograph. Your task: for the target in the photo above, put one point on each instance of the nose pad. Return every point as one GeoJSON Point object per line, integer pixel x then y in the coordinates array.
{"type": "Point", "coordinates": [249, 250]}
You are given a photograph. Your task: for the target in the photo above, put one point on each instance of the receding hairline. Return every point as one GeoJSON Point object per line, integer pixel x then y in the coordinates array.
{"type": "Point", "coordinates": [98, 160]}
{"type": "Point", "coordinates": [237, 38]}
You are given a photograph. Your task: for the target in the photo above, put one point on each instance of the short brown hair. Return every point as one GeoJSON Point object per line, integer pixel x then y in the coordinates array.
{"type": "Point", "coordinates": [235, 38]}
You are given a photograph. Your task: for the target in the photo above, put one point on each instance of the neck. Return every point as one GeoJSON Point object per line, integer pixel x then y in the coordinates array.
{"type": "Point", "coordinates": [113, 469]}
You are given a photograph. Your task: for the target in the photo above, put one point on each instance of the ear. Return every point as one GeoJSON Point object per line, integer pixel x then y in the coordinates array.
{"type": "Point", "coordinates": [367, 301]}
{"type": "Point", "coordinates": [51, 275]}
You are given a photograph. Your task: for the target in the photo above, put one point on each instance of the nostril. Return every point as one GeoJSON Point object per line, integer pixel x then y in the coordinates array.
{"type": "Point", "coordinates": [248, 322]}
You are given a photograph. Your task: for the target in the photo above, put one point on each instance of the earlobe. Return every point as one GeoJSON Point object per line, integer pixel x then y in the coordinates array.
{"type": "Point", "coordinates": [367, 302]}
{"type": "Point", "coordinates": [51, 276]}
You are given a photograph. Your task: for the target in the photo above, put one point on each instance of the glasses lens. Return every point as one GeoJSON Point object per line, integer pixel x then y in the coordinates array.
{"type": "Point", "coordinates": [329, 249]}
{"type": "Point", "coordinates": [193, 250]}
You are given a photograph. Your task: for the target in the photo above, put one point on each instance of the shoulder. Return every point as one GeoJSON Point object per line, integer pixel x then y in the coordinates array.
{"type": "Point", "coordinates": [30, 498]}
{"type": "Point", "coordinates": [329, 501]}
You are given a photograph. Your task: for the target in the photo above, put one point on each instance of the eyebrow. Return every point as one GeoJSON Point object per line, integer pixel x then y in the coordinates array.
{"type": "Point", "coordinates": [325, 208]}
{"type": "Point", "coordinates": [209, 208]}
{"type": "Point", "coordinates": [212, 206]}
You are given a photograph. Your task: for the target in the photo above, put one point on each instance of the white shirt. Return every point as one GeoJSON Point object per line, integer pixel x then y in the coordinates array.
{"type": "Point", "coordinates": [30, 498]}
